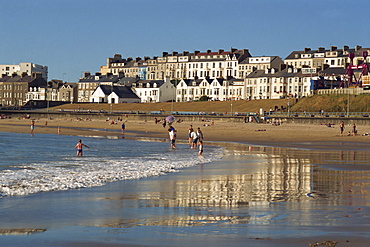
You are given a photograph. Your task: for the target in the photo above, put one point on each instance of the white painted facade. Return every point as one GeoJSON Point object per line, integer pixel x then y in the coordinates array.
{"type": "Point", "coordinates": [30, 69]}
{"type": "Point", "coordinates": [154, 91]}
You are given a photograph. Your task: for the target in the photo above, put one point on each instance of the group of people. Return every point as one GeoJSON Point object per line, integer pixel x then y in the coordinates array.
{"type": "Point", "coordinates": [354, 129]}
{"type": "Point", "coordinates": [195, 138]}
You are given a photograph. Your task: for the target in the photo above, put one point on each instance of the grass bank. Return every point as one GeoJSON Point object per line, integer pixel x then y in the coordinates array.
{"type": "Point", "coordinates": [328, 103]}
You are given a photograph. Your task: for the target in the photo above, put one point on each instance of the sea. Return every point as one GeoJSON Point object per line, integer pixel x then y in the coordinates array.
{"type": "Point", "coordinates": [44, 162]}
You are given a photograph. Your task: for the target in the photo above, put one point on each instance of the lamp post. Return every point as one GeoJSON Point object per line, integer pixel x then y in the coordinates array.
{"type": "Point", "coordinates": [231, 106]}
{"type": "Point", "coordinates": [348, 103]}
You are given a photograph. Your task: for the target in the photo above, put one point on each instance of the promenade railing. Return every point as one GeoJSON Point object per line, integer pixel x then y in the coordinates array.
{"type": "Point", "coordinates": [277, 114]}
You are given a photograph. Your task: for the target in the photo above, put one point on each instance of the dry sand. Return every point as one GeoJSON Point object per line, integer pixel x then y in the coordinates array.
{"type": "Point", "coordinates": [221, 131]}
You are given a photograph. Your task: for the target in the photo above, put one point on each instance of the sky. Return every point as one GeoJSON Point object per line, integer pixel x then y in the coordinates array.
{"type": "Point", "coordinates": [74, 36]}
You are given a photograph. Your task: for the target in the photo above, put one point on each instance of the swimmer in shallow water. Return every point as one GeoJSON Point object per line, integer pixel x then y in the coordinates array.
{"type": "Point", "coordinates": [79, 146]}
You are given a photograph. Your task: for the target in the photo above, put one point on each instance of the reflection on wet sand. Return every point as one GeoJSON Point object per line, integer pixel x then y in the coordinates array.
{"type": "Point", "coordinates": [259, 185]}
{"type": "Point", "coordinates": [24, 231]}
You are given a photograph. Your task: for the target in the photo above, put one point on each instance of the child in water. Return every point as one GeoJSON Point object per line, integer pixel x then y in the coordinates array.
{"type": "Point", "coordinates": [79, 146]}
{"type": "Point", "coordinates": [200, 153]}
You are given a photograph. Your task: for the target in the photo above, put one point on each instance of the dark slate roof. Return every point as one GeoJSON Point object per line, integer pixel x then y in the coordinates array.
{"type": "Point", "coordinates": [125, 92]}
{"type": "Point", "coordinates": [102, 78]}
{"type": "Point", "coordinates": [189, 82]}
{"type": "Point", "coordinates": [121, 91]}
{"type": "Point", "coordinates": [341, 53]}
{"type": "Point", "coordinates": [284, 73]}
{"type": "Point", "coordinates": [151, 83]}
{"type": "Point", "coordinates": [70, 84]}
{"type": "Point", "coordinates": [333, 71]}
{"type": "Point", "coordinates": [32, 81]}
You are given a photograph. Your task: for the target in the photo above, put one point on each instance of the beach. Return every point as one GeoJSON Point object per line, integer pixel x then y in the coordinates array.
{"type": "Point", "coordinates": [286, 185]}
{"type": "Point", "coordinates": [266, 134]}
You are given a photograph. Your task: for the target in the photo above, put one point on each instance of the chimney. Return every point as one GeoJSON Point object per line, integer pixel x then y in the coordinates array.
{"type": "Point", "coordinates": [14, 74]}
{"type": "Point", "coordinates": [245, 51]}
{"type": "Point", "coordinates": [321, 49]}
{"type": "Point", "coordinates": [138, 59]}
{"type": "Point", "coordinates": [333, 48]}
{"type": "Point", "coordinates": [164, 54]}
{"type": "Point", "coordinates": [282, 66]}
{"type": "Point", "coordinates": [307, 49]}
{"type": "Point", "coordinates": [174, 53]}
{"type": "Point", "coordinates": [196, 52]}
{"type": "Point", "coordinates": [97, 74]}
{"type": "Point", "coordinates": [345, 47]}
{"type": "Point", "coordinates": [24, 74]}
{"type": "Point", "coordinates": [146, 58]}
{"type": "Point", "coordinates": [109, 74]}
{"type": "Point", "coordinates": [184, 53]}
{"type": "Point", "coordinates": [129, 59]}
{"type": "Point", "coordinates": [117, 57]}
{"type": "Point", "coordinates": [232, 50]}
{"type": "Point", "coordinates": [358, 47]}
{"type": "Point", "coordinates": [220, 51]}
{"type": "Point", "coordinates": [209, 51]}
{"type": "Point", "coordinates": [86, 74]}
{"type": "Point", "coordinates": [3, 75]}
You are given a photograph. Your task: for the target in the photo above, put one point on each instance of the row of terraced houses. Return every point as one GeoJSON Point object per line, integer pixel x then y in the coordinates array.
{"type": "Point", "coordinates": [189, 76]}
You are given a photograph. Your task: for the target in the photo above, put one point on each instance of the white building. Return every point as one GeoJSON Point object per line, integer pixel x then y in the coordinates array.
{"type": "Point", "coordinates": [152, 91]}
{"type": "Point", "coordinates": [113, 95]}
{"type": "Point", "coordinates": [30, 69]}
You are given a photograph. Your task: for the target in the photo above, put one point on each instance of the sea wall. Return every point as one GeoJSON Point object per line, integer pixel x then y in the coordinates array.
{"type": "Point", "coordinates": [185, 118]}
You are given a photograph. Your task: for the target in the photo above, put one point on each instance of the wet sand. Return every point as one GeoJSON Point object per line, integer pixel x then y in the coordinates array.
{"type": "Point", "coordinates": [255, 196]}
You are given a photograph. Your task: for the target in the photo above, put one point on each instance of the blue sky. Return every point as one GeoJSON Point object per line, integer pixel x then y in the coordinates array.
{"type": "Point", "coordinates": [73, 36]}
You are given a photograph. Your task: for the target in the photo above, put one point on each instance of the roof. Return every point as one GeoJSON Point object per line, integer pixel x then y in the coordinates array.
{"type": "Point", "coordinates": [342, 52]}
{"type": "Point", "coordinates": [124, 92]}
{"type": "Point", "coordinates": [333, 71]}
{"type": "Point", "coordinates": [120, 91]}
{"type": "Point", "coordinates": [190, 82]}
{"type": "Point", "coordinates": [101, 78]}
{"type": "Point", "coordinates": [32, 81]}
{"type": "Point", "coordinates": [286, 72]}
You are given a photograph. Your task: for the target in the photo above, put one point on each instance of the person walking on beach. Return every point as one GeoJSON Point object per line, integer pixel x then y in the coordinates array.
{"type": "Point", "coordinates": [32, 127]}
{"type": "Point", "coordinates": [189, 135]}
{"type": "Point", "coordinates": [123, 128]}
{"type": "Point", "coordinates": [200, 153]}
{"type": "Point", "coordinates": [341, 126]}
{"type": "Point", "coordinates": [79, 146]}
{"type": "Point", "coordinates": [354, 130]}
{"type": "Point", "coordinates": [172, 134]}
{"type": "Point", "coordinates": [200, 134]}
{"type": "Point", "coordinates": [194, 137]}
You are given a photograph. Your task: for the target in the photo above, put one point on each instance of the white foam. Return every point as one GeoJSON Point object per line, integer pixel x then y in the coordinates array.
{"type": "Point", "coordinates": [74, 173]}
